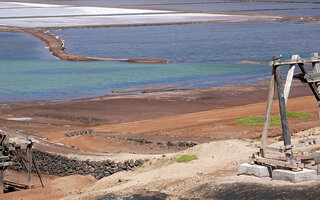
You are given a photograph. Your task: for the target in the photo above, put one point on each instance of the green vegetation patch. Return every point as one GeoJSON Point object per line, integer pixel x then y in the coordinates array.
{"type": "Point", "coordinates": [257, 121]}
{"type": "Point", "coordinates": [298, 115]}
{"type": "Point", "coordinates": [186, 158]}
{"type": "Point", "coordinates": [276, 120]}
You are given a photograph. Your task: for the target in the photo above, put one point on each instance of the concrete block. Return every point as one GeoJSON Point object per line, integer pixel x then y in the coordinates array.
{"type": "Point", "coordinates": [255, 170]}
{"type": "Point", "coordinates": [317, 157]}
{"type": "Point", "coordinates": [294, 177]}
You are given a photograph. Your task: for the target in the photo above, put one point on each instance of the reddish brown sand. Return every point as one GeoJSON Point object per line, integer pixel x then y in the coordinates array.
{"type": "Point", "coordinates": [199, 115]}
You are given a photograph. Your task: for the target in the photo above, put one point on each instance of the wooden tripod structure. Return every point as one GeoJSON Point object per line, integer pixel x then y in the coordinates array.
{"type": "Point", "coordinates": [10, 150]}
{"type": "Point", "coordinates": [313, 80]}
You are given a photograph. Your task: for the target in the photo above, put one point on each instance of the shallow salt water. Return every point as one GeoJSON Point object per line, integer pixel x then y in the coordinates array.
{"type": "Point", "coordinates": [196, 43]}
{"type": "Point", "coordinates": [65, 80]}
{"type": "Point", "coordinates": [200, 55]}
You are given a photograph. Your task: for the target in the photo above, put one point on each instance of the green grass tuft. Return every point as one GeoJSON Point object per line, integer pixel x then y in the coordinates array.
{"type": "Point", "coordinates": [257, 121]}
{"type": "Point", "coordinates": [298, 115]}
{"type": "Point", "coordinates": [276, 120]}
{"type": "Point", "coordinates": [250, 121]}
{"type": "Point", "coordinates": [186, 158]}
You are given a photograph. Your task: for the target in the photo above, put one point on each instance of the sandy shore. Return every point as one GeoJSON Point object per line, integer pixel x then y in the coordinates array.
{"type": "Point", "coordinates": [198, 115]}
{"type": "Point", "coordinates": [205, 116]}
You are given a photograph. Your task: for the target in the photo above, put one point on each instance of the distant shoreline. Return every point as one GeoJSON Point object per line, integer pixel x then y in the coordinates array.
{"type": "Point", "coordinates": [56, 46]}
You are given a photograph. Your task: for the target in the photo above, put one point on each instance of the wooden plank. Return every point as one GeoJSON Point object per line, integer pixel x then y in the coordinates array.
{"type": "Point", "coordinates": [281, 150]}
{"type": "Point", "coordinates": [297, 61]}
{"type": "Point", "coordinates": [17, 186]}
{"type": "Point", "coordinates": [316, 69]}
{"type": "Point", "coordinates": [4, 158]}
{"type": "Point", "coordinates": [1, 176]}
{"type": "Point", "coordinates": [312, 77]}
{"type": "Point", "coordinates": [29, 155]}
{"type": "Point", "coordinates": [289, 78]}
{"type": "Point", "coordinates": [1, 180]}
{"type": "Point", "coordinates": [282, 106]}
{"type": "Point", "coordinates": [283, 111]}
{"type": "Point", "coordinates": [6, 164]}
{"type": "Point", "coordinates": [315, 93]}
{"type": "Point", "coordinates": [267, 119]}
{"type": "Point", "coordinates": [278, 163]}
{"type": "Point", "coordinates": [37, 169]}
{"type": "Point", "coordinates": [2, 138]}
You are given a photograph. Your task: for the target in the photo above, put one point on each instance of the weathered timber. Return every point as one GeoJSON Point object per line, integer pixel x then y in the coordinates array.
{"type": "Point", "coordinates": [37, 169]}
{"type": "Point", "coordinates": [16, 186]}
{"type": "Point", "coordinates": [316, 70]}
{"type": "Point", "coordinates": [312, 77]}
{"type": "Point", "coordinates": [279, 163]}
{"type": "Point", "coordinates": [296, 61]}
{"type": "Point", "coordinates": [264, 137]}
{"type": "Point", "coordinates": [313, 80]}
{"type": "Point", "coordinates": [29, 155]}
{"type": "Point", "coordinates": [289, 79]}
{"type": "Point", "coordinates": [282, 106]}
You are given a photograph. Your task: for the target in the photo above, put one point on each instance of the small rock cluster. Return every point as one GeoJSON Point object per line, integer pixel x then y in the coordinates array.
{"type": "Point", "coordinates": [169, 143]}
{"type": "Point", "coordinates": [77, 133]}
{"type": "Point", "coordinates": [62, 166]}
{"type": "Point", "coordinates": [181, 144]}
{"type": "Point", "coordinates": [140, 140]}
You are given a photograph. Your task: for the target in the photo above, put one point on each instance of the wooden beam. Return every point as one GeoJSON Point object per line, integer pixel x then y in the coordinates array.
{"type": "Point", "coordinates": [278, 163]}
{"type": "Point", "coordinates": [282, 106]}
{"type": "Point", "coordinates": [283, 111]}
{"type": "Point", "coordinates": [296, 61]}
{"type": "Point", "coordinates": [316, 69]}
{"type": "Point", "coordinates": [315, 93]}
{"type": "Point", "coordinates": [1, 180]}
{"type": "Point", "coordinates": [29, 155]}
{"type": "Point", "coordinates": [281, 149]}
{"type": "Point", "coordinates": [37, 169]}
{"type": "Point", "coordinates": [289, 78]}
{"type": "Point", "coordinates": [267, 119]}
{"type": "Point", "coordinates": [1, 174]}
{"type": "Point", "coordinates": [312, 77]}
{"type": "Point", "coordinates": [2, 138]}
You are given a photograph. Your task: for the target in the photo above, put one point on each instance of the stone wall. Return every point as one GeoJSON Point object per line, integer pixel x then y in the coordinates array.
{"type": "Point", "coordinates": [63, 166]}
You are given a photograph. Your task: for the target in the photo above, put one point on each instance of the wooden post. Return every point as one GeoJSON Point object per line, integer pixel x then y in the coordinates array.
{"type": "Point", "coordinates": [316, 69]}
{"type": "Point", "coordinates": [37, 169]}
{"type": "Point", "coordinates": [1, 172]}
{"type": "Point", "coordinates": [282, 106]}
{"type": "Point", "coordinates": [29, 155]}
{"type": "Point", "coordinates": [264, 136]}
{"type": "Point", "coordinates": [289, 78]}
{"type": "Point", "coordinates": [1, 180]}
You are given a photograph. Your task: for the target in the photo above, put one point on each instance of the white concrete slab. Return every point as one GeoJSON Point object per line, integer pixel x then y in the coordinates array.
{"type": "Point", "coordinates": [294, 177]}
{"type": "Point", "coordinates": [254, 170]}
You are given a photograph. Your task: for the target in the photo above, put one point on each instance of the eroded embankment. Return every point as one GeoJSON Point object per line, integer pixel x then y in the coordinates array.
{"type": "Point", "coordinates": [56, 47]}
{"type": "Point", "coordinates": [55, 164]}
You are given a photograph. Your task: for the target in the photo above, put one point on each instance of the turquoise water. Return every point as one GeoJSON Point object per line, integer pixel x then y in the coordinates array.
{"type": "Point", "coordinates": [200, 55]}
{"type": "Point", "coordinates": [63, 80]}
